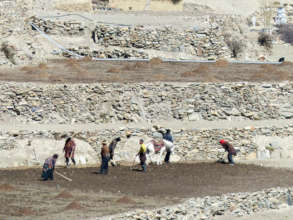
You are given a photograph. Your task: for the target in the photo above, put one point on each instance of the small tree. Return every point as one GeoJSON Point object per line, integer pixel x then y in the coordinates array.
{"type": "Point", "coordinates": [265, 39]}
{"type": "Point", "coordinates": [9, 52]}
{"type": "Point", "coordinates": [235, 46]}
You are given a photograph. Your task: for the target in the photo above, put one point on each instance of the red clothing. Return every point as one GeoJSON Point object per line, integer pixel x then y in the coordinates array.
{"type": "Point", "coordinates": [105, 151]}
{"type": "Point", "coordinates": [228, 147]}
{"type": "Point", "coordinates": [69, 149]}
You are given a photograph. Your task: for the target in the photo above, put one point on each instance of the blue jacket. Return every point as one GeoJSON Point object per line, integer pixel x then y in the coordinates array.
{"type": "Point", "coordinates": [168, 137]}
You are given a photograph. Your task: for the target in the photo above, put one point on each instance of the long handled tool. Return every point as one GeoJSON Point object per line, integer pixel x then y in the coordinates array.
{"type": "Point", "coordinates": [133, 163]}
{"type": "Point", "coordinates": [59, 174]}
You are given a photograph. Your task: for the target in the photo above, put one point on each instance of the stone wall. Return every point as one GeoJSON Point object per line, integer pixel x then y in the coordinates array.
{"type": "Point", "coordinates": [112, 102]}
{"type": "Point", "coordinates": [107, 53]}
{"type": "Point", "coordinates": [205, 41]}
{"type": "Point", "coordinates": [63, 28]}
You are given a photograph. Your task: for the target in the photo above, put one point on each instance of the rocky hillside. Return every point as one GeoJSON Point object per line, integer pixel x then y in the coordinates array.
{"type": "Point", "coordinates": [199, 32]}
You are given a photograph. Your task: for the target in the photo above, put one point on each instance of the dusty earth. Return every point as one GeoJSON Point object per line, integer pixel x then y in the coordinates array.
{"type": "Point", "coordinates": [24, 196]}
{"type": "Point", "coordinates": [87, 71]}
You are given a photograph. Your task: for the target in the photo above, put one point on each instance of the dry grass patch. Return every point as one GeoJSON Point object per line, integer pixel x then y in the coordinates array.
{"type": "Point", "coordinates": [40, 71]}
{"type": "Point", "coordinates": [140, 65]}
{"type": "Point", "coordinates": [221, 63]}
{"type": "Point", "coordinates": [201, 69]}
{"type": "Point", "coordinates": [128, 67]}
{"type": "Point", "coordinates": [113, 70]}
{"type": "Point", "coordinates": [188, 74]}
{"type": "Point", "coordinates": [155, 61]}
{"type": "Point", "coordinates": [135, 66]}
{"type": "Point", "coordinates": [125, 200]}
{"type": "Point", "coordinates": [43, 66]}
{"type": "Point", "coordinates": [28, 69]}
{"type": "Point", "coordinates": [81, 73]}
{"type": "Point", "coordinates": [71, 61]}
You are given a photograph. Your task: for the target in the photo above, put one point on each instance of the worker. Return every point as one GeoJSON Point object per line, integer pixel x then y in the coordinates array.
{"type": "Point", "coordinates": [230, 149]}
{"type": "Point", "coordinates": [69, 149]}
{"type": "Point", "coordinates": [105, 155]}
{"type": "Point", "coordinates": [48, 167]}
{"type": "Point", "coordinates": [168, 137]}
{"type": "Point", "coordinates": [142, 155]}
{"type": "Point", "coordinates": [112, 147]}
{"type": "Point", "coordinates": [128, 134]}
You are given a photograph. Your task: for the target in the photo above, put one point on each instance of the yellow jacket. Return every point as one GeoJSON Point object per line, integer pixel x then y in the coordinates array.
{"type": "Point", "coordinates": [142, 149]}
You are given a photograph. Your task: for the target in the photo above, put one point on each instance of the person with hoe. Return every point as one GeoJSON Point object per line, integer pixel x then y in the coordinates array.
{"type": "Point", "coordinates": [230, 149]}
{"type": "Point", "coordinates": [105, 155]}
{"type": "Point", "coordinates": [49, 167]}
{"type": "Point", "coordinates": [112, 147]}
{"type": "Point", "coordinates": [142, 155]}
{"type": "Point", "coordinates": [168, 137]}
{"type": "Point", "coordinates": [69, 149]}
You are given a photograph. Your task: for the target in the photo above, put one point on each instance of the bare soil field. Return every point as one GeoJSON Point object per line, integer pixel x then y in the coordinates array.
{"type": "Point", "coordinates": [24, 196]}
{"type": "Point", "coordinates": [88, 71]}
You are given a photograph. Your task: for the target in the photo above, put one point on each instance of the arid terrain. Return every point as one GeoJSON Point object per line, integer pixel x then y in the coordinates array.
{"type": "Point", "coordinates": [91, 195]}
{"type": "Point", "coordinates": [202, 30]}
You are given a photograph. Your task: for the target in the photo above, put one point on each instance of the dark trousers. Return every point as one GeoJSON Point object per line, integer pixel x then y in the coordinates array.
{"type": "Point", "coordinates": [48, 174]}
{"type": "Point", "coordinates": [104, 165]}
{"type": "Point", "coordinates": [167, 157]}
{"type": "Point", "coordinates": [143, 166]}
{"type": "Point", "coordinates": [67, 160]}
{"type": "Point", "coordinates": [230, 158]}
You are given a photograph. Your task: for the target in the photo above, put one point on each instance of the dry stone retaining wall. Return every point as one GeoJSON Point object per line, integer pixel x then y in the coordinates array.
{"type": "Point", "coordinates": [103, 103]}
{"type": "Point", "coordinates": [205, 40]}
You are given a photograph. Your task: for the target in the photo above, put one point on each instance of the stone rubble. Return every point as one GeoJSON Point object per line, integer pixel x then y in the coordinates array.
{"type": "Point", "coordinates": [209, 207]}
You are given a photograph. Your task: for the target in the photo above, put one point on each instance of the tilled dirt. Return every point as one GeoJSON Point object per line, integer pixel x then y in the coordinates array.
{"type": "Point", "coordinates": [91, 194]}
{"type": "Point", "coordinates": [87, 71]}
